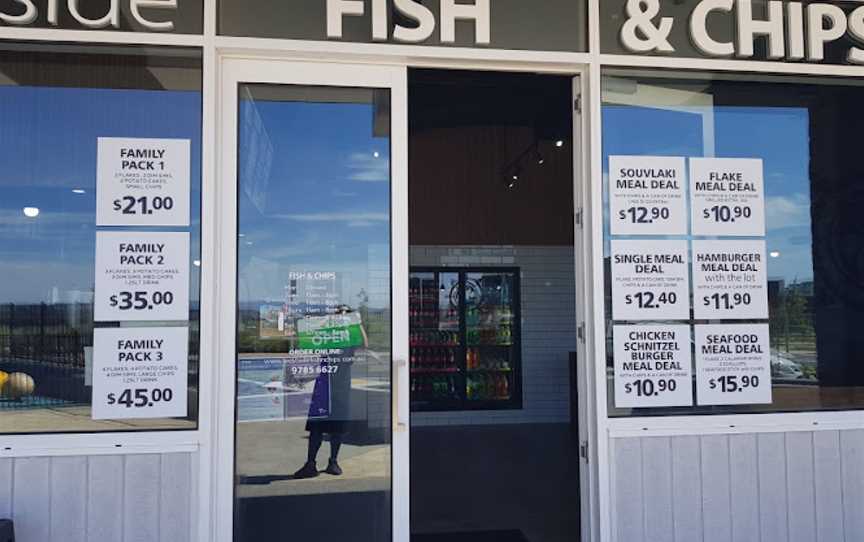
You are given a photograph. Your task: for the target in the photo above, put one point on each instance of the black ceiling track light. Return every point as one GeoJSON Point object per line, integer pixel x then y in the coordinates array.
{"type": "Point", "coordinates": [529, 158]}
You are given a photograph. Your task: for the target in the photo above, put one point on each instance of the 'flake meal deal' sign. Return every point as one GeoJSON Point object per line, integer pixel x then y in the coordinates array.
{"type": "Point", "coordinates": [652, 366]}
{"type": "Point", "coordinates": [142, 182]}
{"type": "Point", "coordinates": [733, 364]}
{"type": "Point", "coordinates": [727, 197]}
{"type": "Point", "coordinates": [141, 276]}
{"type": "Point", "coordinates": [140, 372]}
{"type": "Point", "coordinates": [650, 280]}
{"type": "Point", "coordinates": [729, 280]}
{"type": "Point", "coordinates": [646, 195]}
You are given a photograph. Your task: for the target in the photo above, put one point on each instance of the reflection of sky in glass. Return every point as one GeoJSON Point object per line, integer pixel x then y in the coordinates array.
{"type": "Point", "coordinates": [48, 148]}
{"type": "Point", "coordinates": [778, 135]}
{"type": "Point", "coordinates": [314, 197]}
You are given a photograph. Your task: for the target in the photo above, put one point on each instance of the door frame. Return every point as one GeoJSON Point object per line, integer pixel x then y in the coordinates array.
{"type": "Point", "coordinates": [232, 72]}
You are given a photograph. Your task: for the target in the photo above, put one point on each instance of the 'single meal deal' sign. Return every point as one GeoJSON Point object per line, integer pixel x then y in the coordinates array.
{"type": "Point", "coordinates": [141, 276]}
{"type": "Point", "coordinates": [733, 364]}
{"type": "Point", "coordinates": [647, 195]}
{"type": "Point", "coordinates": [729, 280]}
{"type": "Point", "coordinates": [652, 366]}
{"type": "Point", "coordinates": [650, 280]}
{"type": "Point", "coordinates": [142, 182]}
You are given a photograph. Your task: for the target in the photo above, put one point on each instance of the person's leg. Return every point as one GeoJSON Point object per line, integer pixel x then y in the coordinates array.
{"type": "Point", "coordinates": [332, 465]}
{"type": "Point", "coordinates": [310, 470]}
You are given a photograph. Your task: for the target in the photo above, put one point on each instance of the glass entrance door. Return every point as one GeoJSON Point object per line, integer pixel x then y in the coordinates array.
{"type": "Point", "coordinates": [320, 334]}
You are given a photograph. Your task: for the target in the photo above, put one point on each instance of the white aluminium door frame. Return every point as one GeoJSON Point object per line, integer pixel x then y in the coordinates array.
{"type": "Point", "coordinates": [233, 72]}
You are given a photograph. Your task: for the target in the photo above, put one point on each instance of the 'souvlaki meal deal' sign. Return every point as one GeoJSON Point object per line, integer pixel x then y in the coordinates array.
{"type": "Point", "coordinates": [142, 182]}
{"type": "Point", "coordinates": [141, 276]}
{"type": "Point", "coordinates": [646, 195]}
{"type": "Point", "coordinates": [650, 280]}
{"type": "Point", "coordinates": [728, 197]}
{"type": "Point", "coordinates": [652, 366]}
{"type": "Point", "coordinates": [733, 364]}
{"type": "Point", "coordinates": [140, 372]}
{"type": "Point", "coordinates": [729, 280]}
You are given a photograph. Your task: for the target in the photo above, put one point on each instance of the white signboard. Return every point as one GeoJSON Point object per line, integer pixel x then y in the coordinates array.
{"type": "Point", "coordinates": [141, 276]}
{"type": "Point", "coordinates": [650, 280]}
{"type": "Point", "coordinates": [140, 372]}
{"type": "Point", "coordinates": [142, 182]}
{"type": "Point", "coordinates": [646, 195]}
{"type": "Point", "coordinates": [727, 196]}
{"type": "Point", "coordinates": [652, 366]}
{"type": "Point", "coordinates": [729, 280]}
{"type": "Point", "coordinates": [733, 364]}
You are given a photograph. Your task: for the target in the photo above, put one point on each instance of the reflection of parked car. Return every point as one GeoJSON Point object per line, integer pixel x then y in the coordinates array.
{"type": "Point", "coordinates": [783, 367]}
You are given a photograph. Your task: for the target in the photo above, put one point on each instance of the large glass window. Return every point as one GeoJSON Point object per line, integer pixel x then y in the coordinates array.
{"type": "Point", "coordinates": [56, 102]}
{"type": "Point", "coordinates": [804, 132]}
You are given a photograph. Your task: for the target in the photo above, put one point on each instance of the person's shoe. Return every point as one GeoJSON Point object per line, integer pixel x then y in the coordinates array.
{"type": "Point", "coordinates": [333, 468]}
{"type": "Point", "coordinates": [309, 470]}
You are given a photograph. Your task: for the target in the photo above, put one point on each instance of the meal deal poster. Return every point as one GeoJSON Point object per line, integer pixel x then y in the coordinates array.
{"type": "Point", "coordinates": [141, 276]}
{"type": "Point", "coordinates": [142, 182]}
{"type": "Point", "coordinates": [733, 364]}
{"type": "Point", "coordinates": [650, 280]}
{"type": "Point", "coordinates": [652, 366]}
{"type": "Point", "coordinates": [140, 372]}
{"type": "Point", "coordinates": [727, 197]}
{"type": "Point", "coordinates": [646, 195]}
{"type": "Point", "coordinates": [729, 280]}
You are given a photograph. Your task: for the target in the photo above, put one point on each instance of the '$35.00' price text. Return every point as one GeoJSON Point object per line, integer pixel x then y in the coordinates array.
{"type": "Point", "coordinates": [140, 300]}
{"type": "Point", "coordinates": [141, 397]}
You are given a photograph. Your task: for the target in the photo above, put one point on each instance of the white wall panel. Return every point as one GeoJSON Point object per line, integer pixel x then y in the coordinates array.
{"type": "Point", "coordinates": [772, 487]}
{"type": "Point", "coordinates": [110, 498]}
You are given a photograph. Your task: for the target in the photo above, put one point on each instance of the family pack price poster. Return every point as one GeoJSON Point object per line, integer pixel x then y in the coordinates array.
{"type": "Point", "coordinates": [652, 366]}
{"type": "Point", "coordinates": [650, 280]}
{"type": "Point", "coordinates": [733, 364]}
{"type": "Point", "coordinates": [646, 195]}
{"type": "Point", "coordinates": [141, 276]}
{"type": "Point", "coordinates": [142, 182]}
{"type": "Point", "coordinates": [140, 372]}
{"type": "Point", "coordinates": [727, 197]}
{"type": "Point", "coordinates": [729, 280]}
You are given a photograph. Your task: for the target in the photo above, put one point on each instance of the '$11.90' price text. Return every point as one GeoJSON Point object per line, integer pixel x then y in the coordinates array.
{"type": "Point", "coordinates": [140, 300]}
{"type": "Point", "coordinates": [141, 397]}
{"type": "Point", "coordinates": [648, 387]}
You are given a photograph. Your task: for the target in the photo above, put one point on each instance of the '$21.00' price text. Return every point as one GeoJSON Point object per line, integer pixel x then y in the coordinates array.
{"type": "Point", "coordinates": [141, 397]}
{"type": "Point", "coordinates": [648, 387]}
{"type": "Point", "coordinates": [140, 300]}
{"type": "Point", "coordinates": [143, 205]}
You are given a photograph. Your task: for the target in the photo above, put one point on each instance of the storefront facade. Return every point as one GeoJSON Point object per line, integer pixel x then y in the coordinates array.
{"type": "Point", "coordinates": [715, 250]}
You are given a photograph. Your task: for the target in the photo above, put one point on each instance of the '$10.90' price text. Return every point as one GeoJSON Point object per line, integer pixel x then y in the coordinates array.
{"type": "Point", "coordinates": [141, 397]}
{"type": "Point", "coordinates": [648, 388]}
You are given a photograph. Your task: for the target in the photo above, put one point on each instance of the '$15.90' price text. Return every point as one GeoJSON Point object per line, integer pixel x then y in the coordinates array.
{"type": "Point", "coordinates": [140, 300]}
{"type": "Point", "coordinates": [732, 383]}
{"type": "Point", "coordinates": [648, 387]}
{"type": "Point", "coordinates": [141, 397]}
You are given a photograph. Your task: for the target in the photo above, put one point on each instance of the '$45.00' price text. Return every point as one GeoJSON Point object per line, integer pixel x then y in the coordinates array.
{"type": "Point", "coordinates": [648, 387]}
{"type": "Point", "coordinates": [141, 397]}
{"type": "Point", "coordinates": [733, 383]}
{"type": "Point", "coordinates": [140, 300]}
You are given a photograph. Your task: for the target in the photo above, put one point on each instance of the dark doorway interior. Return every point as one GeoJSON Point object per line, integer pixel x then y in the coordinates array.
{"type": "Point", "coordinates": [494, 450]}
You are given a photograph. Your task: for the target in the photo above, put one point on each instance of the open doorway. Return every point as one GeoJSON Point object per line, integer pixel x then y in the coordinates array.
{"type": "Point", "coordinates": [494, 437]}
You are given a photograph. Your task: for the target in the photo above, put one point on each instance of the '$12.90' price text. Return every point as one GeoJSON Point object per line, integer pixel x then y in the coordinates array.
{"type": "Point", "coordinates": [649, 388]}
{"type": "Point", "coordinates": [141, 397]}
{"type": "Point", "coordinates": [644, 215]}
{"type": "Point", "coordinates": [140, 300]}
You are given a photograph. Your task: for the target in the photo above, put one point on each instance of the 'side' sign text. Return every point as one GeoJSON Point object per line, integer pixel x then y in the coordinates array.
{"type": "Point", "coordinates": [27, 13]}
{"type": "Point", "coordinates": [478, 12]}
{"type": "Point", "coordinates": [794, 30]}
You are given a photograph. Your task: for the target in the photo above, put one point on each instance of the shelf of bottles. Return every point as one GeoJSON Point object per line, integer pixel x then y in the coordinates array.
{"type": "Point", "coordinates": [464, 338]}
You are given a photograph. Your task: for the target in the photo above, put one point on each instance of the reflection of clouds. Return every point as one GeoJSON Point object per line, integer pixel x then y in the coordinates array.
{"type": "Point", "coordinates": [366, 168]}
{"type": "Point", "coordinates": [787, 211]}
{"type": "Point", "coordinates": [350, 218]}
{"type": "Point", "coordinates": [342, 194]}
{"type": "Point", "coordinates": [32, 281]}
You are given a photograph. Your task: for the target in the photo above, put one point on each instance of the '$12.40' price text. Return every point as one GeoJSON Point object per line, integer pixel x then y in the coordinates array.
{"type": "Point", "coordinates": [141, 397]}
{"type": "Point", "coordinates": [647, 387]}
{"type": "Point", "coordinates": [140, 300]}
{"type": "Point", "coordinates": [143, 205]}
{"type": "Point", "coordinates": [650, 300]}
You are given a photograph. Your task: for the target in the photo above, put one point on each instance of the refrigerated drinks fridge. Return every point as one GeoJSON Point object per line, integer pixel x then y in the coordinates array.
{"type": "Point", "coordinates": [465, 339]}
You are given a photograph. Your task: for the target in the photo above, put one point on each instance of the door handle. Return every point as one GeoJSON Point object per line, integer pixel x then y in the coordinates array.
{"type": "Point", "coordinates": [399, 424]}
